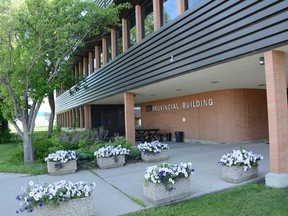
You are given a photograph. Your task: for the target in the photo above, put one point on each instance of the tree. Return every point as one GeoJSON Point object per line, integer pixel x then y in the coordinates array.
{"type": "Point", "coordinates": [37, 37]}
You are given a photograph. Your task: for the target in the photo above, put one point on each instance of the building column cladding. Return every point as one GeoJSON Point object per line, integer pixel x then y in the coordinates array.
{"type": "Point", "coordinates": [180, 7]}
{"type": "Point", "coordinates": [80, 70]}
{"type": "Point", "coordinates": [104, 51]}
{"type": "Point", "coordinates": [87, 116]}
{"type": "Point", "coordinates": [81, 118]}
{"type": "Point", "coordinates": [125, 35]}
{"type": "Point", "coordinates": [113, 44]}
{"type": "Point", "coordinates": [276, 86]}
{"type": "Point", "coordinates": [129, 117]}
{"type": "Point", "coordinates": [139, 23]}
{"type": "Point", "coordinates": [91, 63]}
{"type": "Point", "coordinates": [157, 14]}
{"type": "Point", "coordinates": [97, 57]}
{"type": "Point", "coordinates": [85, 66]}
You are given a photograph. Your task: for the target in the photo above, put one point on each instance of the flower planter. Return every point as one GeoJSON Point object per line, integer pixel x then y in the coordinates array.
{"type": "Point", "coordinates": [152, 157]}
{"type": "Point", "coordinates": [236, 174]}
{"type": "Point", "coordinates": [111, 162]}
{"type": "Point", "coordinates": [158, 194]}
{"type": "Point", "coordinates": [67, 168]}
{"type": "Point", "coordinates": [79, 206]}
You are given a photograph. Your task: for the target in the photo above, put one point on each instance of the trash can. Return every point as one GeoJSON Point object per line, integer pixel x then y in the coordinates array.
{"type": "Point", "coordinates": [168, 136]}
{"type": "Point", "coordinates": [179, 135]}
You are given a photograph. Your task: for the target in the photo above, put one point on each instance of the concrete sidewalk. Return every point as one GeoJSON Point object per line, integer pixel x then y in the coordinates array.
{"type": "Point", "coordinates": [116, 188]}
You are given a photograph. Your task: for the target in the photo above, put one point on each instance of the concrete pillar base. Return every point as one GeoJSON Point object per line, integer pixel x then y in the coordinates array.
{"type": "Point", "coordinates": [277, 180]}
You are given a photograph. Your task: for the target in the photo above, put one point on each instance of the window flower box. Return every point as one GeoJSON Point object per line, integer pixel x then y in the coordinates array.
{"type": "Point", "coordinates": [236, 174]}
{"type": "Point", "coordinates": [62, 162]}
{"type": "Point", "coordinates": [56, 168]}
{"type": "Point", "coordinates": [60, 198]}
{"type": "Point", "coordinates": [240, 165]}
{"type": "Point", "coordinates": [79, 207]}
{"type": "Point", "coordinates": [111, 156]}
{"type": "Point", "coordinates": [154, 151]}
{"type": "Point", "coordinates": [168, 182]}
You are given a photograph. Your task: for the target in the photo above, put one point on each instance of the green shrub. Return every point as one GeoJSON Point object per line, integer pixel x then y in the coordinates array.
{"type": "Point", "coordinates": [134, 155]}
{"type": "Point", "coordinates": [5, 135]}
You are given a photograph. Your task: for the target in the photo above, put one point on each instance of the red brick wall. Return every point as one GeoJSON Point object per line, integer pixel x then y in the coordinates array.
{"type": "Point", "coordinates": [236, 115]}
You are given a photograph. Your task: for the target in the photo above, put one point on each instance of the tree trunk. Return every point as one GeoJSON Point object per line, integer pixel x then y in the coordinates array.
{"type": "Point", "coordinates": [51, 101]}
{"type": "Point", "coordinates": [28, 146]}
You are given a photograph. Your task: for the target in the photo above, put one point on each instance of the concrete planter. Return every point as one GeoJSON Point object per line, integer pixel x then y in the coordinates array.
{"type": "Point", "coordinates": [236, 174]}
{"type": "Point", "coordinates": [79, 207]}
{"type": "Point", "coordinates": [67, 168]}
{"type": "Point", "coordinates": [150, 157]}
{"type": "Point", "coordinates": [111, 162]}
{"type": "Point", "coordinates": [158, 194]}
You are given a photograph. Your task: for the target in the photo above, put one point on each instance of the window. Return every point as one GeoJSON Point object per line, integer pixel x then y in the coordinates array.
{"type": "Point", "coordinates": [132, 29]}
{"type": "Point", "coordinates": [119, 41]}
{"type": "Point", "coordinates": [148, 18]}
{"type": "Point", "coordinates": [191, 3]}
{"type": "Point", "coordinates": [169, 10]}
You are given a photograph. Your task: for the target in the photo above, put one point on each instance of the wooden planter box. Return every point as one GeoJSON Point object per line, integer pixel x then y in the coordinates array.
{"type": "Point", "coordinates": [111, 162]}
{"type": "Point", "coordinates": [69, 167]}
{"type": "Point", "coordinates": [236, 174]}
{"type": "Point", "coordinates": [150, 157]}
{"type": "Point", "coordinates": [158, 194]}
{"type": "Point", "coordinates": [79, 207]}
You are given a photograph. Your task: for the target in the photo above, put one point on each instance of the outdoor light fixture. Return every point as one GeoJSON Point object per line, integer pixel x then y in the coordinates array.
{"type": "Point", "coordinates": [172, 58]}
{"type": "Point", "coordinates": [261, 61]}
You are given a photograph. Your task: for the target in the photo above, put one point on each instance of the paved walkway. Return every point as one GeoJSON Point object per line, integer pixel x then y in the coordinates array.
{"type": "Point", "coordinates": [115, 188]}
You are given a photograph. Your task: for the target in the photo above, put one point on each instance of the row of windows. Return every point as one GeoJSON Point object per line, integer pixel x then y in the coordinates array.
{"type": "Point", "coordinates": [168, 12]}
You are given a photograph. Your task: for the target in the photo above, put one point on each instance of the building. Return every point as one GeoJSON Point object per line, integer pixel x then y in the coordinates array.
{"type": "Point", "coordinates": [214, 70]}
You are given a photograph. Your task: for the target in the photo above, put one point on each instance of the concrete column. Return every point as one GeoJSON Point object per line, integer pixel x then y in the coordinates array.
{"type": "Point", "coordinates": [276, 87]}
{"type": "Point", "coordinates": [81, 118]}
{"type": "Point", "coordinates": [125, 34]}
{"type": "Point", "coordinates": [139, 23]}
{"type": "Point", "coordinates": [75, 74]}
{"type": "Point", "coordinates": [66, 119]}
{"type": "Point", "coordinates": [157, 14]}
{"type": "Point", "coordinates": [91, 63]}
{"type": "Point", "coordinates": [97, 57]}
{"type": "Point", "coordinates": [77, 117]}
{"type": "Point", "coordinates": [180, 6]}
{"type": "Point", "coordinates": [80, 70]}
{"type": "Point", "coordinates": [129, 117]}
{"type": "Point", "coordinates": [73, 115]}
{"type": "Point", "coordinates": [87, 116]}
{"type": "Point", "coordinates": [113, 43]}
{"type": "Point", "coordinates": [70, 118]}
{"type": "Point", "coordinates": [85, 66]}
{"type": "Point", "coordinates": [104, 51]}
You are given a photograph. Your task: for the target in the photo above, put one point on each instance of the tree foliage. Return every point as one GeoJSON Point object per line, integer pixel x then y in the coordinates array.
{"type": "Point", "coordinates": [37, 37]}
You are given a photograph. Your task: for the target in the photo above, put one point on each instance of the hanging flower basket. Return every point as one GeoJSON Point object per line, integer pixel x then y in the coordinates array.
{"type": "Point", "coordinates": [154, 151]}
{"type": "Point", "coordinates": [168, 182]}
{"type": "Point", "coordinates": [111, 156]}
{"type": "Point", "coordinates": [240, 165]}
{"type": "Point", "coordinates": [62, 162]}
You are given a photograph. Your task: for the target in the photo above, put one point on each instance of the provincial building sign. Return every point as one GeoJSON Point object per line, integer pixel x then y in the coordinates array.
{"type": "Point", "coordinates": [183, 105]}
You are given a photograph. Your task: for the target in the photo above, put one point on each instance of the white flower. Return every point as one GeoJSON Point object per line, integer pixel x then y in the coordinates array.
{"type": "Point", "coordinates": [154, 147]}
{"type": "Point", "coordinates": [109, 151]}
{"type": "Point", "coordinates": [62, 156]}
{"type": "Point", "coordinates": [241, 157]}
{"type": "Point", "coordinates": [167, 173]}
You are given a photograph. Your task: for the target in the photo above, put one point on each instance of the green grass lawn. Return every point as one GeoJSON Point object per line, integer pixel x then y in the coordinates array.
{"type": "Point", "coordinates": [252, 199]}
{"type": "Point", "coordinates": [10, 159]}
